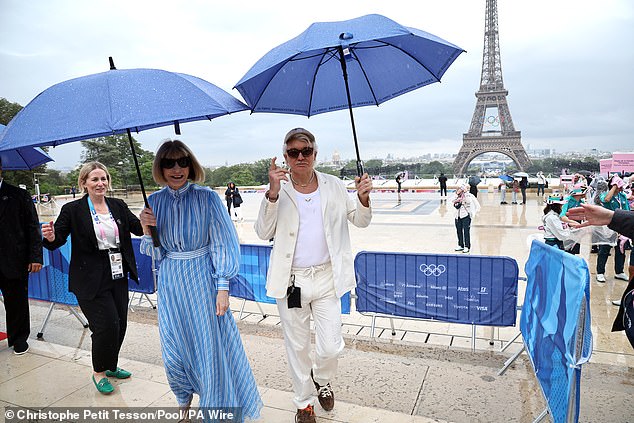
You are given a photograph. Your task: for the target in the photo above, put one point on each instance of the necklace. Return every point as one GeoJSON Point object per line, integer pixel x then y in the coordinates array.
{"type": "Point", "coordinates": [312, 176]}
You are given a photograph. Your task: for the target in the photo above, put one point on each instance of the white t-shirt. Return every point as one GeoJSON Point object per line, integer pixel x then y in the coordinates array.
{"type": "Point", "coordinates": [311, 248]}
{"type": "Point", "coordinates": [107, 225]}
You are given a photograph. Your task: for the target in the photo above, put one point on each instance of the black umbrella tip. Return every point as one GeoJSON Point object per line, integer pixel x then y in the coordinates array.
{"type": "Point", "coordinates": [345, 36]}
{"type": "Point", "coordinates": [112, 66]}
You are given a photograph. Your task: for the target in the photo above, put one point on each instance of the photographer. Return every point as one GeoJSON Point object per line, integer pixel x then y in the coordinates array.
{"type": "Point", "coordinates": [612, 199]}
{"type": "Point", "coordinates": [466, 206]}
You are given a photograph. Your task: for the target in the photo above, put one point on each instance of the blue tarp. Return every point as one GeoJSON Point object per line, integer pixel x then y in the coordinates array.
{"type": "Point", "coordinates": [250, 284]}
{"type": "Point", "coordinates": [51, 283]}
{"type": "Point", "coordinates": [555, 325]}
{"type": "Point", "coordinates": [469, 289]}
{"type": "Point", "coordinates": [144, 270]}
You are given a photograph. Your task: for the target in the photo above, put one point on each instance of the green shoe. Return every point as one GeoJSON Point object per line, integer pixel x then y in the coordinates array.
{"type": "Point", "coordinates": [119, 373]}
{"type": "Point", "coordinates": [103, 385]}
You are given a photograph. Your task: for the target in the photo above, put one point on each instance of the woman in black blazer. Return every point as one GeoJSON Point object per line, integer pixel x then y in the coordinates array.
{"type": "Point", "coordinates": [101, 259]}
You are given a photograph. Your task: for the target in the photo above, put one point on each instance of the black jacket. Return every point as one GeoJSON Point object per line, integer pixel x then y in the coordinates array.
{"type": "Point", "coordinates": [86, 262]}
{"type": "Point", "coordinates": [623, 223]}
{"type": "Point", "coordinates": [20, 234]}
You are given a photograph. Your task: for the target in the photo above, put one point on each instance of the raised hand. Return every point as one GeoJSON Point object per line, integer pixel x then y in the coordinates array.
{"type": "Point", "coordinates": [363, 185]}
{"type": "Point", "coordinates": [276, 175]}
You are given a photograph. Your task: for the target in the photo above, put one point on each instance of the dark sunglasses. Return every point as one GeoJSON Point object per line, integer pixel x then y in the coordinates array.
{"type": "Point", "coordinates": [183, 162]}
{"type": "Point", "coordinates": [294, 153]}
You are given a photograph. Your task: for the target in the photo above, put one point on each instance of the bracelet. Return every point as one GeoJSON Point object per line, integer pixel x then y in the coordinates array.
{"type": "Point", "coordinates": [266, 195]}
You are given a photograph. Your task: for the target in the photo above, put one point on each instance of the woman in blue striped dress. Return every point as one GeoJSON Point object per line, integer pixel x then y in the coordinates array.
{"type": "Point", "coordinates": [199, 254]}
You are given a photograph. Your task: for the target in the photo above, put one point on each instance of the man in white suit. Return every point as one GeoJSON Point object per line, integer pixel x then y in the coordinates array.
{"type": "Point", "coordinates": [311, 265]}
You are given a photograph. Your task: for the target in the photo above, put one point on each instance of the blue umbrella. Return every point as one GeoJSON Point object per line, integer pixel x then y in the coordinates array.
{"type": "Point", "coordinates": [338, 65]}
{"type": "Point", "coordinates": [116, 102]}
{"type": "Point", "coordinates": [23, 158]}
{"type": "Point", "coordinates": [506, 178]}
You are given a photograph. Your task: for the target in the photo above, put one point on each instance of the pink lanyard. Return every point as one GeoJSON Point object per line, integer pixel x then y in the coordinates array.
{"type": "Point", "coordinates": [95, 217]}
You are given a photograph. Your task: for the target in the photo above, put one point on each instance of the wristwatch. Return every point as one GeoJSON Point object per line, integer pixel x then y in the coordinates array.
{"type": "Point", "coordinates": [271, 199]}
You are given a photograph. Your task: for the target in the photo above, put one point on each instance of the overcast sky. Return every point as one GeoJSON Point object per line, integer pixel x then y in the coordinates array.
{"type": "Point", "coordinates": [567, 65]}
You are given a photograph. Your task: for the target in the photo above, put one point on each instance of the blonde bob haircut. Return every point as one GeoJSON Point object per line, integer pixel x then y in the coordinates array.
{"type": "Point", "coordinates": [175, 149]}
{"type": "Point", "coordinates": [85, 171]}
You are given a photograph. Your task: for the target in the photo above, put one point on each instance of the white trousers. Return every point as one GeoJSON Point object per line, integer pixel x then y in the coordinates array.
{"type": "Point", "coordinates": [319, 301]}
{"type": "Point", "coordinates": [236, 213]}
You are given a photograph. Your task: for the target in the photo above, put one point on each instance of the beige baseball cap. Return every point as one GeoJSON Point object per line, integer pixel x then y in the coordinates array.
{"type": "Point", "coordinates": [297, 133]}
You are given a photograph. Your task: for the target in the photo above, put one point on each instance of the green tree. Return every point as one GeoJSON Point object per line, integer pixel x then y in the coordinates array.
{"type": "Point", "coordinates": [328, 170]}
{"type": "Point", "coordinates": [8, 110]}
{"type": "Point", "coordinates": [115, 153]}
{"type": "Point", "coordinates": [435, 168]}
{"type": "Point", "coordinates": [243, 176]}
{"type": "Point", "coordinates": [260, 170]}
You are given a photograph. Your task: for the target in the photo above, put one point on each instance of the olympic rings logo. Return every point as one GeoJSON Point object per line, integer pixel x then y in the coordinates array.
{"type": "Point", "coordinates": [432, 269]}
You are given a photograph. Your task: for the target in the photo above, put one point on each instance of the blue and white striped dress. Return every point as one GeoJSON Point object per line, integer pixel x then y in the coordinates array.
{"type": "Point", "coordinates": [202, 352]}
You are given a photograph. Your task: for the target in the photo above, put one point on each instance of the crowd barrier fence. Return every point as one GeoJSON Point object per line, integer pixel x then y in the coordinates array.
{"type": "Point", "coordinates": [468, 289]}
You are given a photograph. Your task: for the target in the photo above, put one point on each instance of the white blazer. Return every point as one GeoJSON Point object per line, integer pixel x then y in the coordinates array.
{"type": "Point", "coordinates": [281, 220]}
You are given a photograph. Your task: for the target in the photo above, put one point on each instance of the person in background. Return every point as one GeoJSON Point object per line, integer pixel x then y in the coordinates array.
{"type": "Point", "coordinates": [399, 181]}
{"type": "Point", "coordinates": [554, 231]}
{"type": "Point", "coordinates": [523, 186]}
{"type": "Point", "coordinates": [576, 197]}
{"type": "Point", "coordinates": [621, 221]}
{"type": "Point", "coordinates": [442, 180]}
{"type": "Point", "coordinates": [233, 197]}
{"type": "Point", "coordinates": [515, 188]}
{"type": "Point", "coordinates": [199, 253]}
{"type": "Point", "coordinates": [613, 199]}
{"type": "Point", "coordinates": [101, 259]}
{"type": "Point", "coordinates": [20, 254]}
{"type": "Point", "coordinates": [541, 184]}
{"type": "Point", "coordinates": [466, 207]}
{"type": "Point", "coordinates": [502, 188]}
{"type": "Point", "coordinates": [473, 181]}
{"type": "Point", "coordinates": [311, 265]}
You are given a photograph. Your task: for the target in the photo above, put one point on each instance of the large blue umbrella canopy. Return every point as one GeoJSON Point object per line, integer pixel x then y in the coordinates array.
{"type": "Point", "coordinates": [23, 158]}
{"type": "Point", "coordinates": [340, 65]}
{"type": "Point", "coordinates": [115, 102]}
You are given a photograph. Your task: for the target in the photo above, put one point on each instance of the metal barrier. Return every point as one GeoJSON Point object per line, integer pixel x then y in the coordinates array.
{"type": "Point", "coordinates": [250, 284]}
{"type": "Point", "coordinates": [469, 289]}
{"type": "Point", "coordinates": [146, 272]}
{"type": "Point", "coordinates": [555, 326]}
{"type": "Point", "coordinates": [51, 284]}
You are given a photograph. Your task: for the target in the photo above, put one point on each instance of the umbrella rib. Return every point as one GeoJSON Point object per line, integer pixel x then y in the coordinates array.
{"type": "Point", "coordinates": [255, 104]}
{"type": "Point", "coordinates": [365, 75]}
{"type": "Point", "coordinates": [406, 53]}
{"type": "Point", "coordinates": [329, 52]}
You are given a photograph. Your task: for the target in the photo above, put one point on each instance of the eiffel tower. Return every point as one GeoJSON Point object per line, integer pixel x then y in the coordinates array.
{"type": "Point", "coordinates": [491, 127]}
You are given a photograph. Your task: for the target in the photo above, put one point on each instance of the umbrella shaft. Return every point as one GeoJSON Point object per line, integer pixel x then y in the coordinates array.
{"type": "Point", "coordinates": [153, 231]}
{"type": "Point", "coordinates": [344, 70]}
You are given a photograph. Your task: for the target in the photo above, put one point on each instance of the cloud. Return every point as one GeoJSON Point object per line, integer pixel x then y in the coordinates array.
{"type": "Point", "coordinates": [567, 66]}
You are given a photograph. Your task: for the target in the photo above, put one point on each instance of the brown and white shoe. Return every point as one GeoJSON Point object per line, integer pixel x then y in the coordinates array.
{"type": "Point", "coordinates": [305, 415]}
{"type": "Point", "coordinates": [325, 395]}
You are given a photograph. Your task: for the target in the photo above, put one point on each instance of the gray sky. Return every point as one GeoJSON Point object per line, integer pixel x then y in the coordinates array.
{"type": "Point", "coordinates": [567, 64]}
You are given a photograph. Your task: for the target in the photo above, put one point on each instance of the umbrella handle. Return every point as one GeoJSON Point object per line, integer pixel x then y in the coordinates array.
{"type": "Point", "coordinates": [155, 237]}
{"type": "Point", "coordinates": [153, 231]}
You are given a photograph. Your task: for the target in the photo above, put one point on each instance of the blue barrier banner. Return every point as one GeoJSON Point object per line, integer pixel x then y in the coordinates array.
{"type": "Point", "coordinates": [555, 325]}
{"type": "Point", "coordinates": [250, 283]}
{"type": "Point", "coordinates": [51, 283]}
{"type": "Point", "coordinates": [452, 288]}
{"type": "Point", "coordinates": [144, 270]}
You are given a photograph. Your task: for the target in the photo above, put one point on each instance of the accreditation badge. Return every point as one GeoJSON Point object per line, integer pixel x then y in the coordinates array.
{"type": "Point", "coordinates": [116, 264]}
